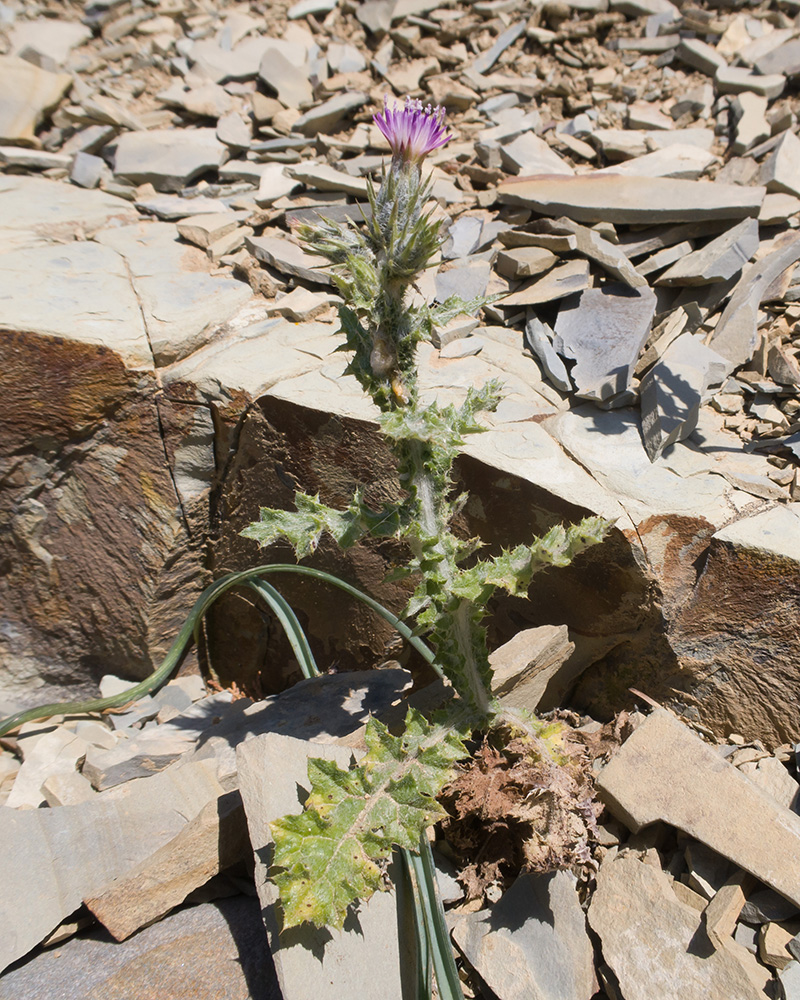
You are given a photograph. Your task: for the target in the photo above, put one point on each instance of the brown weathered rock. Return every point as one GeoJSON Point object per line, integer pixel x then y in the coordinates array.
{"type": "Point", "coordinates": [524, 666]}
{"type": "Point", "coordinates": [56, 857]}
{"type": "Point", "coordinates": [210, 842]}
{"type": "Point", "coordinates": [101, 569]}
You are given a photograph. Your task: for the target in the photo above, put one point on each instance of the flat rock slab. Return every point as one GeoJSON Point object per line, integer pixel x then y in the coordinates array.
{"type": "Point", "coordinates": [674, 389]}
{"type": "Point", "coordinates": [53, 858]}
{"type": "Point", "coordinates": [289, 258]}
{"type": "Point", "coordinates": [533, 944]}
{"type": "Point", "coordinates": [324, 709]}
{"type": "Point", "coordinates": [34, 210]}
{"type": "Point", "coordinates": [361, 960]}
{"type": "Point", "coordinates": [565, 279]}
{"type": "Point", "coordinates": [525, 665]}
{"type": "Point", "coordinates": [54, 290]}
{"type": "Point", "coordinates": [654, 942]}
{"type": "Point", "coordinates": [211, 841]}
{"type": "Point", "coordinates": [634, 200]}
{"type": "Point", "coordinates": [718, 260]}
{"type": "Point", "coordinates": [167, 158]}
{"type": "Point", "coordinates": [182, 302]}
{"type": "Point", "coordinates": [736, 334]}
{"type": "Point", "coordinates": [665, 772]}
{"type": "Point", "coordinates": [603, 330]}
{"type": "Point", "coordinates": [27, 93]}
{"type": "Point", "coordinates": [202, 952]}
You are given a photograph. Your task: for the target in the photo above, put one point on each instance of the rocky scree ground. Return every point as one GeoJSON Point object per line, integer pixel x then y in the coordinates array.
{"type": "Point", "coordinates": [625, 176]}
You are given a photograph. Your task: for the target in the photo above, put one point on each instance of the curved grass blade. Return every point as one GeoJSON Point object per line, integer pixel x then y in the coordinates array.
{"type": "Point", "coordinates": [290, 624]}
{"type": "Point", "coordinates": [190, 630]}
{"type": "Point", "coordinates": [441, 951]}
{"type": "Point", "coordinates": [408, 899]}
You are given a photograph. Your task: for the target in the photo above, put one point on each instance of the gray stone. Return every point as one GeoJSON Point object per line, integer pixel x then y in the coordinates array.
{"type": "Point", "coordinates": [324, 177]}
{"type": "Point", "coordinates": [234, 131]}
{"type": "Point", "coordinates": [468, 279]}
{"type": "Point", "coordinates": [718, 260]}
{"type": "Point", "coordinates": [749, 112]}
{"type": "Point", "coordinates": [680, 161]}
{"type": "Point", "coordinates": [635, 912]}
{"type": "Point", "coordinates": [528, 154]}
{"type": "Point", "coordinates": [305, 7]}
{"type": "Point", "coordinates": [603, 330]}
{"type": "Point", "coordinates": [609, 256]}
{"type": "Point", "coordinates": [54, 753]}
{"type": "Point", "coordinates": [328, 116]}
{"type": "Point", "coordinates": [664, 257]}
{"type": "Point", "coordinates": [53, 858]}
{"type": "Point", "coordinates": [533, 944]}
{"type": "Point", "coordinates": [27, 95]}
{"type": "Point", "coordinates": [539, 338]}
{"type": "Point", "coordinates": [765, 905]}
{"type": "Point", "coordinates": [364, 958]}
{"type": "Point", "coordinates": [170, 206]}
{"type": "Point", "coordinates": [735, 335]}
{"type": "Point", "coordinates": [572, 276]}
{"type": "Point", "coordinates": [486, 60]}
{"type": "Point", "coordinates": [66, 788]}
{"type": "Point", "coordinates": [18, 158]}
{"type": "Point", "coordinates": [781, 170]}
{"type": "Point", "coordinates": [203, 230]}
{"type": "Point", "coordinates": [343, 58]}
{"type": "Point", "coordinates": [87, 170]}
{"type": "Point", "coordinates": [665, 772]}
{"type": "Point", "coordinates": [325, 709]}
{"type": "Point", "coordinates": [167, 158]}
{"type": "Point", "coordinates": [210, 842]}
{"type": "Point", "coordinates": [462, 347]}
{"type": "Point", "coordinates": [737, 80]}
{"type": "Point", "coordinates": [785, 59]}
{"type": "Point", "coordinates": [208, 100]}
{"type": "Point", "coordinates": [642, 115]}
{"type": "Point", "coordinates": [182, 302]}
{"type": "Point", "coordinates": [273, 184]}
{"type": "Point", "coordinates": [675, 388]}
{"type": "Point", "coordinates": [635, 200]}
{"type": "Point", "coordinates": [288, 79]}
{"type": "Point", "coordinates": [645, 8]}
{"type": "Point", "coordinates": [289, 258]}
{"type": "Point", "coordinates": [524, 262]}
{"type": "Point", "coordinates": [376, 15]}
{"type": "Point", "coordinates": [243, 61]}
{"type": "Point", "coordinates": [463, 237]}
{"type": "Point", "coordinates": [155, 747]}
{"type": "Point", "coordinates": [789, 978]}
{"type": "Point", "coordinates": [700, 55]}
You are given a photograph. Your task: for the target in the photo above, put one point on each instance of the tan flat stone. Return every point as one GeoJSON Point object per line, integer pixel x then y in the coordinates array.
{"type": "Point", "coordinates": [610, 198]}
{"type": "Point", "coordinates": [665, 772]}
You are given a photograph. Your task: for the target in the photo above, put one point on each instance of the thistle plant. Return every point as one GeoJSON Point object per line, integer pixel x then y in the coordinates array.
{"type": "Point", "coordinates": [337, 849]}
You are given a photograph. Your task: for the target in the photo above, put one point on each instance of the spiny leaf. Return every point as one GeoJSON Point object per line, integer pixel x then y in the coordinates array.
{"type": "Point", "coordinates": [334, 852]}
{"type": "Point", "coordinates": [304, 527]}
{"type": "Point", "coordinates": [514, 569]}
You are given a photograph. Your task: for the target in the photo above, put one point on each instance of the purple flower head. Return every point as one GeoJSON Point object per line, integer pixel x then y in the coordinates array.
{"type": "Point", "coordinates": [413, 131]}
